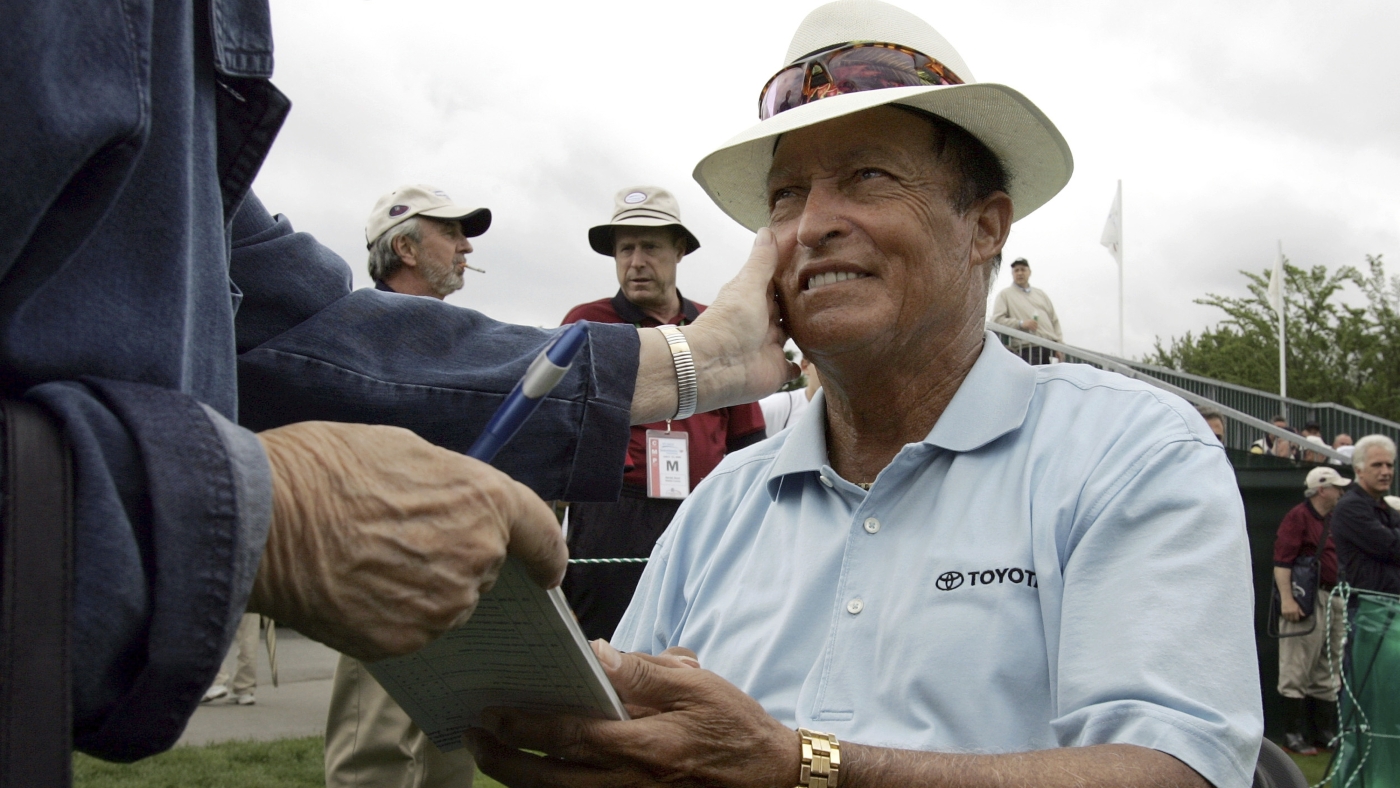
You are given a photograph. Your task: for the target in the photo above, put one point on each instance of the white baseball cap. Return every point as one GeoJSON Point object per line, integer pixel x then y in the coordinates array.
{"type": "Point", "coordinates": [1318, 477]}
{"type": "Point", "coordinates": [420, 199]}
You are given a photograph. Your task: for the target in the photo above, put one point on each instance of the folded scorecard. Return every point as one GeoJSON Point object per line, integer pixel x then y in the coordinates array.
{"type": "Point", "coordinates": [520, 649]}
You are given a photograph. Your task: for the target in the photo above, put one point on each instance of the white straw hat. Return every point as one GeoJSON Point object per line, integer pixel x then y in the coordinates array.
{"type": "Point", "coordinates": [1036, 158]}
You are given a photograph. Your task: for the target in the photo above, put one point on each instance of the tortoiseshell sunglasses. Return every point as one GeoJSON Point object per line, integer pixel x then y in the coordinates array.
{"type": "Point", "coordinates": [850, 68]}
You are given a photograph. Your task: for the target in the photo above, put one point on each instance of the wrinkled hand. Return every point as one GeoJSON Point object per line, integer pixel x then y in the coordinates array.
{"type": "Point", "coordinates": [698, 729]}
{"type": "Point", "coordinates": [1289, 609]}
{"type": "Point", "coordinates": [737, 342]}
{"type": "Point", "coordinates": [381, 541]}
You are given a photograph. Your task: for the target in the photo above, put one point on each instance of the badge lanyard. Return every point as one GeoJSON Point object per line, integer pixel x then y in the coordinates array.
{"type": "Point", "coordinates": [668, 463]}
{"type": "Point", "coordinates": [668, 459]}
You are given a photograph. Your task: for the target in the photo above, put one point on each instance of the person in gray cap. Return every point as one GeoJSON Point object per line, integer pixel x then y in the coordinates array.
{"type": "Point", "coordinates": [647, 241]}
{"type": "Point", "coordinates": [418, 241]}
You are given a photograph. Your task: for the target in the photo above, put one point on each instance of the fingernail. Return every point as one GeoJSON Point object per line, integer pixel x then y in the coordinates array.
{"type": "Point", "coordinates": [764, 237]}
{"type": "Point", "coordinates": [609, 656]}
{"type": "Point", "coordinates": [690, 662]}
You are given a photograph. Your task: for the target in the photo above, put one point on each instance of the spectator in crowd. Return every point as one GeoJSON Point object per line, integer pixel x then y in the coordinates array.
{"type": "Point", "coordinates": [1275, 446]}
{"type": "Point", "coordinates": [1309, 664]}
{"type": "Point", "coordinates": [238, 676]}
{"type": "Point", "coordinates": [779, 410]}
{"type": "Point", "coordinates": [1367, 531]}
{"type": "Point", "coordinates": [418, 241]}
{"type": "Point", "coordinates": [1311, 455]}
{"type": "Point", "coordinates": [1342, 444]}
{"type": "Point", "coordinates": [418, 245]}
{"type": "Point", "coordinates": [1311, 429]}
{"type": "Point", "coordinates": [647, 242]}
{"type": "Point", "coordinates": [1029, 309]}
{"type": "Point", "coordinates": [1215, 420]}
{"type": "Point", "coordinates": [960, 569]}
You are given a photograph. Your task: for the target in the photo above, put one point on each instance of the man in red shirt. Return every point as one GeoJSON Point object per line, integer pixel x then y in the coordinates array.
{"type": "Point", "coordinates": [647, 241]}
{"type": "Point", "coordinates": [1307, 674]}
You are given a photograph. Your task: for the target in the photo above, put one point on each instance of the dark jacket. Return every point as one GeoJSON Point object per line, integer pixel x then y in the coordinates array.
{"type": "Point", "coordinates": [148, 302]}
{"type": "Point", "coordinates": [1367, 534]}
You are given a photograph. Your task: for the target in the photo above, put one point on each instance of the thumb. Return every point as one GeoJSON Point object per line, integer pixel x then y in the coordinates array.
{"type": "Point", "coordinates": [642, 682]}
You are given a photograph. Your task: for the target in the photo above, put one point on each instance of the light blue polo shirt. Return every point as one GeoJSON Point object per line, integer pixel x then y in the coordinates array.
{"type": "Point", "coordinates": [1061, 562]}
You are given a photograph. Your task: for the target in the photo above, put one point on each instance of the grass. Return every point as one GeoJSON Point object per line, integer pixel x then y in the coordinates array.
{"type": "Point", "coordinates": [1314, 766]}
{"type": "Point", "coordinates": [287, 763]}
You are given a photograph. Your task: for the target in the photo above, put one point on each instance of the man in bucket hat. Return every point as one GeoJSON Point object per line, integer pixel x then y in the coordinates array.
{"type": "Point", "coordinates": [647, 241]}
{"type": "Point", "coordinates": [418, 241]}
{"type": "Point", "coordinates": [954, 568]}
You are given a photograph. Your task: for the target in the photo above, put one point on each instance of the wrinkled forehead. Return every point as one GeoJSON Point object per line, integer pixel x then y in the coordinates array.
{"type": "Point", "coordinates": [882, 134]}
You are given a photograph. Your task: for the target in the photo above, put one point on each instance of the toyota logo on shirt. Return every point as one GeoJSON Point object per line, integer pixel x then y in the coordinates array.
{"type": "Point", "coordinates": [986, 577]}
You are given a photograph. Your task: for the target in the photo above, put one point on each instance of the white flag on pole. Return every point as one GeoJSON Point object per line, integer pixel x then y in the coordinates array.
{"type": "Point", "coordinates": [1112, 237]}
{"type": "Point", "coordinates": [1276, 283]}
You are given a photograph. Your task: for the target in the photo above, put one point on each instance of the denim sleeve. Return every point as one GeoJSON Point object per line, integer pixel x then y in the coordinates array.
{"type": "Point", "coordinates": [311, 349]}
{"type": "Point", "coordinates": [156, 601]}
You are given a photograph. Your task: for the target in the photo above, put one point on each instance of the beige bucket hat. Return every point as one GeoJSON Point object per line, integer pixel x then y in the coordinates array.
{"type": "Point", "coordinates": [640, 206]}
{"type": "Point", "coordinates": [1036, 157]}
{"type": "Point", "coordinates": [420, 199]}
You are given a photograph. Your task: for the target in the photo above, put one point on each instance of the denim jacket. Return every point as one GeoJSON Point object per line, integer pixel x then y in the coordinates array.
{"type": "Point", "coordinates": [141, 283]}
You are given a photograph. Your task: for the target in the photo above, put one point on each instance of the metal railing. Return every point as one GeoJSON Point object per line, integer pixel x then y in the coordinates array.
{"type": "Point", "coordinates": [1248, 411]}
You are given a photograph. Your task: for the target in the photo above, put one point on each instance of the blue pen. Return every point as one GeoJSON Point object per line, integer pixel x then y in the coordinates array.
{"type": "Point", "coordinates": [544, 372]}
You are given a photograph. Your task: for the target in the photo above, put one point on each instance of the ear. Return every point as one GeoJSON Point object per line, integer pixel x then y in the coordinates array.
{"type": "Point", "coordinates": [991, 225]}
{"type": "Point", "coordinates": [403, 247]}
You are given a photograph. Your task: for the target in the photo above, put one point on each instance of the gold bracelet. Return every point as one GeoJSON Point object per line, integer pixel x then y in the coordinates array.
{"type": "Point", "coordinates": [821, 759]}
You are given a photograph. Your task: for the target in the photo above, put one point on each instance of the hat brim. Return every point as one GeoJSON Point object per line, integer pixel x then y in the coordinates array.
{"type": "Point", "coordinates": [1035, 155]}
{"type": "Point", "coordinates": [475, 221]}
{"type": "Point", "coordinates": [601, 237]}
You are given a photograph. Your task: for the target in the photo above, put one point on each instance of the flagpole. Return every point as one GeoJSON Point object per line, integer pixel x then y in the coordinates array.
{"type": "Point", "coordinates": [1120, 270]}
{"type": "Point", "coordinates": [1282, 332]}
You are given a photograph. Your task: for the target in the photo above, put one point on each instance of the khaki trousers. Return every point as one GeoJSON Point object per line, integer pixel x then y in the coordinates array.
{"type": "Point", "coordinates": [371, 742]}
{"type": "Point", "coordinates": [245, 646]}
{"type": "Point", "coordinates": [1303, 669]}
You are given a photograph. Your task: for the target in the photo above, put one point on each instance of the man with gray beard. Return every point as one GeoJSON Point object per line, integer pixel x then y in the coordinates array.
{"type": "Point", "coordinates": [417, 241]}
{"type": "Point", "coordinates": [418, 245]}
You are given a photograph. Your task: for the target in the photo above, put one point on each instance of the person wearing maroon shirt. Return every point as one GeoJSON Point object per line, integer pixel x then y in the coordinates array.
{"type": "Point", "coordinates": [1307, 672]}
{"type": "Point", "coordinates": [647, 241]}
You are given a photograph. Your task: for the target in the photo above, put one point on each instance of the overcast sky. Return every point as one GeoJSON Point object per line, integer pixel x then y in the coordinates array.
{"type": "Point", "coordinates": [1232, 125]}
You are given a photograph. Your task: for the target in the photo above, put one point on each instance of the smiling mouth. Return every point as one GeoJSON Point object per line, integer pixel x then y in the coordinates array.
{"type": "Point", "coordinates": [831, 278]}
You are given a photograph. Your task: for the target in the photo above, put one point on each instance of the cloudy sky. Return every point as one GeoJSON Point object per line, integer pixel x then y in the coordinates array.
{"type": "Point", "coordinates": [1233, 125]}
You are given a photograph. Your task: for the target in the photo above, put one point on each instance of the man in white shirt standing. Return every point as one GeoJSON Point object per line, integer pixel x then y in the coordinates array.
{"type": "Point", "coordinates": [1028, 309]}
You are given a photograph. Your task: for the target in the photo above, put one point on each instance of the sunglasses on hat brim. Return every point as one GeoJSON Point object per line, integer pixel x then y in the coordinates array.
{"type": "Point", "coordinates": [850, 68]}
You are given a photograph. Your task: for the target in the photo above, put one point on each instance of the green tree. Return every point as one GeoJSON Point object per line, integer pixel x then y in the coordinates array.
{"type": "Point", "coordinates": [1336, 352]}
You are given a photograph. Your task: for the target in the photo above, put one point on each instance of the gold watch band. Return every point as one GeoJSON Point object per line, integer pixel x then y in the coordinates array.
{"type": "Point", "coordinates": [821, 759]}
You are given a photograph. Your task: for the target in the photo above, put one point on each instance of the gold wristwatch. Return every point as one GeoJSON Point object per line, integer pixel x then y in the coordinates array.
{"type": "Point", "coordinates": [821, 759]}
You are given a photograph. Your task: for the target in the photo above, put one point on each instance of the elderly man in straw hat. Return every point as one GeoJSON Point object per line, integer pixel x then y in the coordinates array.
{"type": "Point", "coordinates": [647, 241]}
{"type": "Point", "coordinates": [954, 569]}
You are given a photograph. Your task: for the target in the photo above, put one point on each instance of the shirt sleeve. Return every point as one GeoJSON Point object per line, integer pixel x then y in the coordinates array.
{"type": "Point", "coordinates": [1001, 312]}
{"type": "Point", "coordinates": [312, 349]}
{"type": "Point", "coordinates": [1054, 320]}
{"type": "Point", "coordinates": [1156, 637]}
{"type": "Point", "coordinates": [171, 509]}
{"type": "Point", "coordinates": [1290, 539]}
